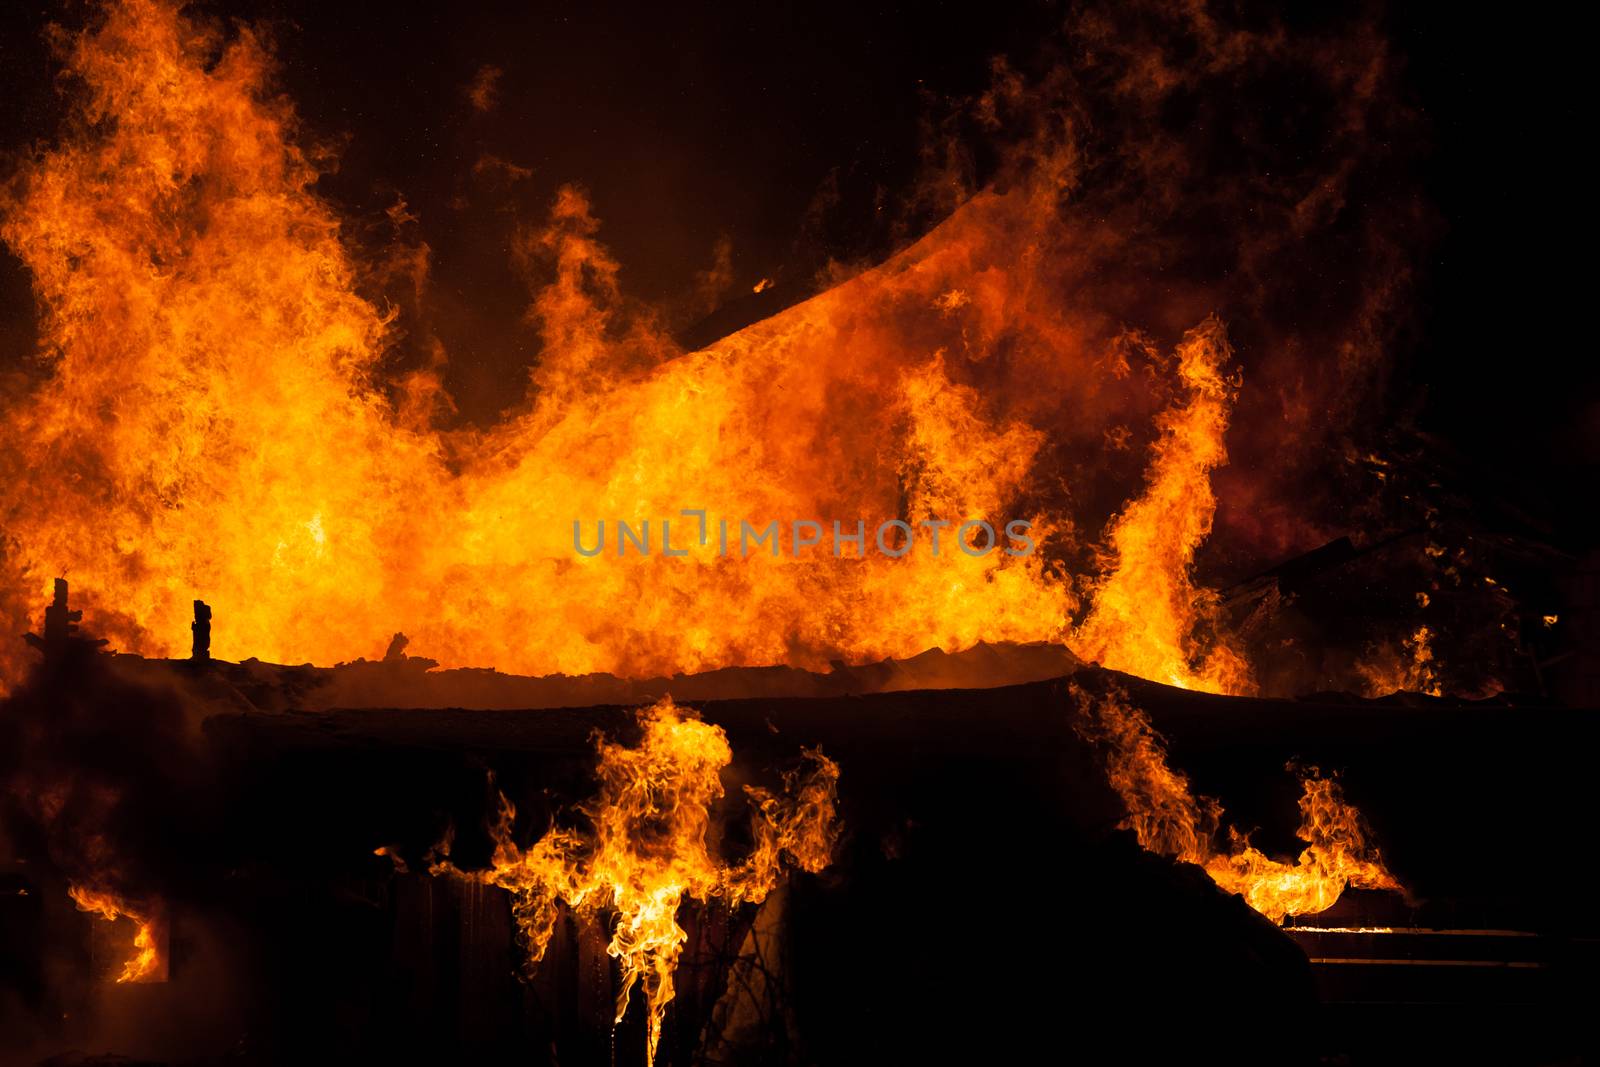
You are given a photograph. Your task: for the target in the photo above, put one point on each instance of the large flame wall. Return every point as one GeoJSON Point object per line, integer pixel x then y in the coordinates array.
{"type": "Point", "coordinates": [212, 419]}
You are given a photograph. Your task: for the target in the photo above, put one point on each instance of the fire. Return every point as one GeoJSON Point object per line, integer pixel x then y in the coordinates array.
{"type": "Point", "coordinates": [1147, 608]}
{"type": "Point", "coordinates": [1337, 855]}
{"type": "Point", "coordinates": [649, 849]}
{"type": "Point", "coordinates": [1168, 817]}
{"type": "Point", "coordinates": [211, 420]}
{"type": "Point", "coordinates": [1410, 668]}
{"type": "Point", "coordinates": [146, 962]}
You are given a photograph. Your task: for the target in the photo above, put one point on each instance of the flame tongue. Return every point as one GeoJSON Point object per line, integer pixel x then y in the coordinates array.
{"type": "Point", "coordinates": [1408, 669]}
{"type": "Point", "coordinates": [649, 849]}
{"type": "Point", "coordinates": [1147, 609]}
{"type": "Point", "coordinates": [1337, 854]}
{"type": "Point", "coordinates": [1168, 817]}
{"type": "Point", "coordinates": [651, 820]}
{"type": "Point", "coordinates": [146, 960]}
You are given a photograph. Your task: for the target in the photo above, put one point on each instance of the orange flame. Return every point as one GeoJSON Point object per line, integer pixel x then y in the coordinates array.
{"type": "Point", "coordinates": [210, 421]}
{"type": "Point", "coordinates": [146, 961]}
{"type": "Point", "coordinates": [1167, 817]}
{"type": "Point", "coordinates": [649, 849]}
{"type": "Point", "coordinates": [1147, 608]}
{"type": "Point", "coordinates": [1410, 668]}
{"type": "Point", "coordinates": [1337, 854]}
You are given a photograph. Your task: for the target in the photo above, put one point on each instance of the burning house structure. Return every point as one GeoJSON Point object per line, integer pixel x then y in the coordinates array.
{"type": "Point", "coordinates": [1055, 616]}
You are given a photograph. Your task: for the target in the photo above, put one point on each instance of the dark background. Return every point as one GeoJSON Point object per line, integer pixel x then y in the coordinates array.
{"type": "Point", "coordinates": [689, 123]}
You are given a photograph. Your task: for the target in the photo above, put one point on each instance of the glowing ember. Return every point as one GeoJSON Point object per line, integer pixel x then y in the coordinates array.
{"type": "Point", "coordinates": [1168, 817]}
{"type": "Point", "coordinates": [649, 849]}
{"type": "Point", "coordinates": [146, 961]}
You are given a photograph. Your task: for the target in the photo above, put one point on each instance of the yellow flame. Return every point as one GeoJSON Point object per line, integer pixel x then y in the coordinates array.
{"type": "Point", "coordinates": [210, 423]}
{"type": "Point", "coordinates": [649, 849]}
{"type": "Point", "coordinates": [1147, 608]}
{"type": "Point", "coordinates": [1168, 817]}
{"type": "Point", "coordinates": [147, 952]}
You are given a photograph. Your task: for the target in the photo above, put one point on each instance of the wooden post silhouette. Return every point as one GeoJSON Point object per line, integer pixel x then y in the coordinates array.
{"type": "Point", "coordinates": [60, 623]}
{"type": "Point", "coordinates": [61, 627]}
{"type": "Point", "coordinates": [201, 628]}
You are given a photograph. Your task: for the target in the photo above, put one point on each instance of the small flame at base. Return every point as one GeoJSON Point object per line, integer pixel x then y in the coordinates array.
{"type": "Point", "coordinates": [1410, 668]}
